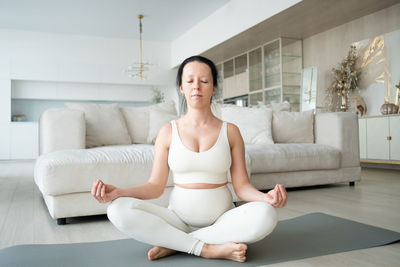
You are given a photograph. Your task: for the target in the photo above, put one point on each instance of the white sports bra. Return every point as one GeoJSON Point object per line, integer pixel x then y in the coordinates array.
{"type": "Point", "coordinates": [210, 166]}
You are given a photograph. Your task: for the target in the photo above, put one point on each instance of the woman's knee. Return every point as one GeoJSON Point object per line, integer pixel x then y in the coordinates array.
{"type": "Point", "coordinates": [263, 220]}
{"type": "Point", "coordinates": [119, 212]}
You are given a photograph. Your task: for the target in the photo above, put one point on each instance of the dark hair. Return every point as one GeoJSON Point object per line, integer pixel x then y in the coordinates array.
{"type": "Point", "coordinates": [200, 59]}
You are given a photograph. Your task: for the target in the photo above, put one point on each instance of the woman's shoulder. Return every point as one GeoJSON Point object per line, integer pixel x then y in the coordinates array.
{"type": "Point", "coordinates": [167, 127]}
{"type": "Point", "coordinates": [233, 133]}
{"type": "Point", "coordinates": [165, 134]}
{"type": "Point", "coordinates": [232, 128]}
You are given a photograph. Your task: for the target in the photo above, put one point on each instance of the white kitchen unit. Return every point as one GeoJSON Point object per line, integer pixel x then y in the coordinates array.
{"type": "Point", "coordinates": [362, 130]}
{"type": "Point", "coordinates": [394, 123]}
{"type": "Point", "coordinates": [24, 140]}
{"type": "Point", "coordinates": [380, 139]}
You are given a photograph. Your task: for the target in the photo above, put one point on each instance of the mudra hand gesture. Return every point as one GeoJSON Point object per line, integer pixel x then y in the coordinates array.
{"type": "Point", "coordinates": [277, 197]}
{"type": "Point", "coordinates": [104, 192]}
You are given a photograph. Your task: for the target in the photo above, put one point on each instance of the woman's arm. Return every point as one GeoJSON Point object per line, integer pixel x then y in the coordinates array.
{"type": "Point", "coordinates": [277, 197]}
{"type": "Point", "coordinates": [158, 178]}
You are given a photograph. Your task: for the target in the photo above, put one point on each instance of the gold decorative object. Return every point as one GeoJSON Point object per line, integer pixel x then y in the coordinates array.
{"type": "Point", "coordinates": [345, 80]}
{"type": "Point", "coordinates": [389, 108]}
{"type": "Point", "coordinates": [359, 105]}
{"type": "Point", "coordinates": [137, 69]}
{"type": "Point", "coordinates": [344, 100]}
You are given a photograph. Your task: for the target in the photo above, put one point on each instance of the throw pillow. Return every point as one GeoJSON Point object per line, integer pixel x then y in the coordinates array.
{"type": "Point", "coordinates": [157, 118]}
{"type": "Point", "coordinates": [293, 127]}
{"type": "Point", "coordinates": [254, 123]}
{"type": "Point", "coordinates": [137, 119]}
{"type": "Point", "coordinates": [105, 124]}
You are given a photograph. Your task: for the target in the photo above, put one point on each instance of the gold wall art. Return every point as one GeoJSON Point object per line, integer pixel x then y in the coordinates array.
{"type": "Point", "coordinates": [379, 61]}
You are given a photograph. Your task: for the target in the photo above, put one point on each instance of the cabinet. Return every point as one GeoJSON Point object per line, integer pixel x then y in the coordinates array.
{"type": "Point", "coordinates": [18, 140]}
{"type": "Point", "coordinates": [256, 77]}
{"type": "Point", "coordinates": [283, 66]}
{"type": "Point", "coordinates": [236, 79]}
{"type": "Point", "coordinates": [24, 140]}
{"type": "Point", "coordinates": [394, 131]}
{"type": "Point", "coordinates": [362, 131]}
{"type": "Point", "coordinates": [380, 138]}
{"type": "Point", "coordinates": [218, 93]}
{"type": "Point", "coordinates": [267, 74]}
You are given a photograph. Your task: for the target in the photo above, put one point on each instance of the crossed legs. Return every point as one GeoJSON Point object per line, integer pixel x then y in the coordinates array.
{"type": "Point", "coordinates": [161, 227]}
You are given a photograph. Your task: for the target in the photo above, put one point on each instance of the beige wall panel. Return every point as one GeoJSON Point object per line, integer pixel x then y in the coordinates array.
{"type": "Point", "coordinates": [327, 49]}
{"type": "Point", "coordinates": [242, 84]}
{"type": "Point", "coordinates": [229, 87]}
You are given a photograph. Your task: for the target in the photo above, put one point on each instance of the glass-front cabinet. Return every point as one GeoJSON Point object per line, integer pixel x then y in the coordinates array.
{"type": "Point", "coordinates": [236, 78]}
{"type": "Point", "coordinates": [272, 64]}
{"type": "Point", "coordinates": [267, 74]}
{"type": "Point", "coordinates": [255, 70]}
{"type": "Point", "coordinates": [218, 94]}
{"type": "Point", "coordinates": [292, 65]}
{"type": "Point", "coordinates": [283, 66]}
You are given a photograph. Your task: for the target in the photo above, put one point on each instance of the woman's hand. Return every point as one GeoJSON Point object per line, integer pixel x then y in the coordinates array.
{"type": "Point", "coordinates": [277, 197]}
{"type": "Point", "coordinates": [104, 192]}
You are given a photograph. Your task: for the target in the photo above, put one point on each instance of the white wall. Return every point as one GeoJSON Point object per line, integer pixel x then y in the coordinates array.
{"type": "Point", "coordinates": [81, 59]}
{"type": "Point", "coordinates": [231, 19]}
{"type": "Point", "coordinates": [56, 67]}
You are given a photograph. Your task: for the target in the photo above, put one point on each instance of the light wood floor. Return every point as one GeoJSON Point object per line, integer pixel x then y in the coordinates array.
{"type": "Point", "coordinates": [375, 200]}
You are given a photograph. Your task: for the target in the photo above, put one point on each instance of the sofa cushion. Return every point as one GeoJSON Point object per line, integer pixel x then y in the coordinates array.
{"type": "Point", "coordinates": [293, 127]}
{"type": "Point", "coordinates": [62, 128]}
{"type": "Point", "coordinates": [71, 171]}
{"type": "Point", "coordinates": [75, 170]}
{"type": "Point", "coordinates": [254, 123]}
{"type": "Point", "coordinates": [137, 119]}
{"type": "Point", "coordinates": [292, 157]}
{"type": "Point", "coordinates": [105, 124]}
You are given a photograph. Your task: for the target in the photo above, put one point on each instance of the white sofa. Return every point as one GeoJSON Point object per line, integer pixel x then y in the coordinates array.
{"type": "Point", "coordinates": [66, 168]}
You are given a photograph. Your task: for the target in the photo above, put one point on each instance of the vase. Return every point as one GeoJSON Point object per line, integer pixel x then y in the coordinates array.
{"type": "Point", "coordinates": [389, 108]}
{"type": "Point", "coordinates": [344, 100]}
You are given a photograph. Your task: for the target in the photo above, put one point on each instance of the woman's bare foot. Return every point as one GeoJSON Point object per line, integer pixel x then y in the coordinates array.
{"type": "Point", "coordinates": [230, 250]}
{"type": "Point", "coordinates": [159, 252]}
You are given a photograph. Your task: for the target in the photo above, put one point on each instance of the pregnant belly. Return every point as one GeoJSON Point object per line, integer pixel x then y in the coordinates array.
{"type": "Point", "coordinates": [200, 207]}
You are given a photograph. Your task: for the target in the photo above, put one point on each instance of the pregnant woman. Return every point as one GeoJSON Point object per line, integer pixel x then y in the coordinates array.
{"type": "Point", "coordinates": [199, 149]}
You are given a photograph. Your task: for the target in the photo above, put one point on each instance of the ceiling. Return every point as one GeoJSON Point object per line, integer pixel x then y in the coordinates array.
{"type": "Point", "coordinates": [164, 20]}
{"type": "Point", "coordinates": [300, 21]}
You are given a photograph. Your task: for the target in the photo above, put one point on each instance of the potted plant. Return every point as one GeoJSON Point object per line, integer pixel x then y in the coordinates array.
{"type": "Point", "coordinates": [345, 79]}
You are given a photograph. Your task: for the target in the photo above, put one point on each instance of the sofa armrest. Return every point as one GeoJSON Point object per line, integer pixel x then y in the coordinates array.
{"type": "Point", "coordinates": [339, 130]}
{"type": "Point", "coordinates": [61, 129]}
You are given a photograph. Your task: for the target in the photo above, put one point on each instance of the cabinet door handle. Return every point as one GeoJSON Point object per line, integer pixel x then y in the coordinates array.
{"type": "Point", "coordinates": [388, 138]}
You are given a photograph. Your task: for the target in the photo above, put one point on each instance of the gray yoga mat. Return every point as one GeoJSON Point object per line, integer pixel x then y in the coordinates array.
{"type": "Point", "coordinates": [302, 237]}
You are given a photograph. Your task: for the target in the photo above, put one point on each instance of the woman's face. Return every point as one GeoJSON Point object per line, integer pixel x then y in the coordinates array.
{"type": "Point", "coordinates": [197, 84]}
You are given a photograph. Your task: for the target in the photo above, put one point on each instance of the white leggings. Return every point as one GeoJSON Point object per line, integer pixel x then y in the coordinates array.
{"type": "Point", "coordinates": [194, 217]}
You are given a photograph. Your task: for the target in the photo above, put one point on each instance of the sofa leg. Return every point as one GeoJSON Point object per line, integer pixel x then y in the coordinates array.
{"type": "Point", "coordinates": [62, 221]}
{"type": "Point", "coordinates": [351, 183]}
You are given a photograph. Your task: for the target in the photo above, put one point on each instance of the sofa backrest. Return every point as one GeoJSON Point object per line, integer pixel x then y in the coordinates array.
{"type": "Point", "coordinates": [262, 125]}
{"type": "Point", "coordinates": [73, 127]}
{"type": "Point", "coordinates": [60, 129]}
